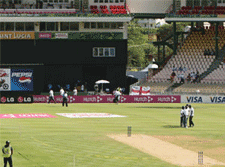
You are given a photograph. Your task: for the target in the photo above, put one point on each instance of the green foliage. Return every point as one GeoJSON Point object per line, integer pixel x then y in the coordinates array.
{"type": "Point", "coordinates": [138, 44]}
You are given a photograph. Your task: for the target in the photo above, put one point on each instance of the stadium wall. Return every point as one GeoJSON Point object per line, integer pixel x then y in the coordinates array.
{"type": "Point", "coordinates": [66, 61]}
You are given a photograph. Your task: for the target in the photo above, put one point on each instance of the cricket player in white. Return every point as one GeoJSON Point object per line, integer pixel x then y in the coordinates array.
{"type": "Point", "coordinates": [51, 96]}
{"type": "Point", "coordinates": [61, 92]}
{"type": "Point", "coordinates": [185, 117]}
{"type": "Point", "coordinates": [75, 91]}
{"type": "Point", "coordinates": [191, 116]}
{"type": "Point", "coordinates": [182, 116]}
{"type": "Point", "coordinates": [117, 96]}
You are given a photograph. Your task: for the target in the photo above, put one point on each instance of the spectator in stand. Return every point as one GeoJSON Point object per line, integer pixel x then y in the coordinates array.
{"type": "Point", "coordinates": [196, 77]}
{"type": "Point", "coordinates": [172, 76]}
{"type": "Point", "coordinates": [184, 69]}
{"type": "Point", "coordinates": [207, 52]}
{"type": "Point", "coordinates": [193, 74]}
{"type": "Point", "coordinates": [181, 76]}
{"type": "Point", "coordinates": [180, 69]}
{"type": "Point", "coordinates": [174, 68]}
{"type": "Point", "coordinates": [197, 72]}
{"type": "Point", "coordinates": [189, 78]}
{"type": "Point", "coordinates": [212, 52]}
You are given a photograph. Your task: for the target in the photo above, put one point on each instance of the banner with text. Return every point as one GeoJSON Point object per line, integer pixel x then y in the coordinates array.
{"type": "Point", "coordinates": [109, 99]}
{"type": "Point", "coordinates": [202, 99]}
{"type": "Point", "coordinates": [16, 35]}
{"type": "Point", "coordinates": [16, 99]}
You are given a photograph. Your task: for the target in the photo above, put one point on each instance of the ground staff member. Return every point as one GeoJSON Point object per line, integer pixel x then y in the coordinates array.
{"type": "Point", "coordinates": [65, 99]}
{"type": "Point", "coordinates": [182, 116]}
{"type": "Point", "coordinates": [191, 116]}
{"type": "Point", "coordinates": [185, 117]}
{"type": "Point", "coordinates": [7, 151]}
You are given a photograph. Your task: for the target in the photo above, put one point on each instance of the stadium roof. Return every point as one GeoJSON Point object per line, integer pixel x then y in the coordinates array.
{"type": "Point", "coordinates": [67, 19]}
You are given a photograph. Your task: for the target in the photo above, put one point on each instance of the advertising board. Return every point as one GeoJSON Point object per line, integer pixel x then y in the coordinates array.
{"type": "Point", "coordinates": [16, 99]}
{"type": "Point", "coordinates": [109, 99]}
{"type": "Point", "coordinates": [6, 35]}
{"type": "Point", "coordinates": [202, 99]}
{"type": "Point", "coordinates": [5, 79]}
{"type": "Point", "coordinates": [21, 80]}
{"type": "Point", "coordinates": [45, 35]}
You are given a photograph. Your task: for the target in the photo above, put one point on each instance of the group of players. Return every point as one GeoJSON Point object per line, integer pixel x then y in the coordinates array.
{"type": "Point", "coordinates": [63, 93]}
{"type": "Point", "coordinates": [187, 112]}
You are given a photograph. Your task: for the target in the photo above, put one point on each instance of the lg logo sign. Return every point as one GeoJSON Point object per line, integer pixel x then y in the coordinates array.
{"type": "Point", "coordinates": [24, 99]}
{"type": "Point", "coordinates": [7, 99]}
{"type": "Point", "coordinates": [19, 99]}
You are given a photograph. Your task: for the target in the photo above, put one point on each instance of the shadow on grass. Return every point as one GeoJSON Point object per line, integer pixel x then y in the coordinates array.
{"type": "Point", "coordinates": [171, 126]}
{"type": "Point", "coordinates": [160, 107]}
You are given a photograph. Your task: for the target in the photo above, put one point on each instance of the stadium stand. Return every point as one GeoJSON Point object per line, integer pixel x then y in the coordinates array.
{"type": "Point", "coordinates": [199, 10]}
{"type": "Point", "coordinates": [158, 88]}
{"type": "Point", "coordinates": [192, 59]}
{"type": "Point", "coordinates": [63, 9]}
{"type": "Point", "coordinates": [217, 76]}
{"type": "Point", "coordinates": [191, 56]}
{"type": "Point", "coordinates": [200, 88]}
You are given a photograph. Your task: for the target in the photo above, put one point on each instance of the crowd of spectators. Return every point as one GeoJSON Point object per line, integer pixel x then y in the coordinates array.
{"type": "Point", "coordinates": [192, 76]}
{"type": "Point", "coordinates": [39, 5]}
{"type": "Point", "coordinates": [209, 52]}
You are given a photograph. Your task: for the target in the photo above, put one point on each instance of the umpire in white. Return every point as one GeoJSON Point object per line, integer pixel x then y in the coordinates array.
{"type": "Point", "coordinates": [65, 99]}
{"type": "Point", "coordinates": [185, 116]}
{"type": "Point", "coordinates": [191, 116]}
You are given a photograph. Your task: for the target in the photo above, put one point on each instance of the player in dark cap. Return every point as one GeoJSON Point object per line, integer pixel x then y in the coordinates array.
{"type": "Point", "coordinates": [7, 151]}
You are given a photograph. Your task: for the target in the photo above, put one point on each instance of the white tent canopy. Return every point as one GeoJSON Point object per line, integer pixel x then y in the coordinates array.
{"type": "Point", "coordinates": [151, 66]}
{"type": "Point", "coordinates": [102, 81]}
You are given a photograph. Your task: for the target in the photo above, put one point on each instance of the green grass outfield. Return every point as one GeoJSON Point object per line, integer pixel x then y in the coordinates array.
{"type": "Point", "coordinates": [54, 142]}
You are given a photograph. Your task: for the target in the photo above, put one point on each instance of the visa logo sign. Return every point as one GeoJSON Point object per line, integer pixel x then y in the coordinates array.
{"type": "Point", "coordinates": [194, 99]}
{"type": "Point", "coordinates": [218, 99]}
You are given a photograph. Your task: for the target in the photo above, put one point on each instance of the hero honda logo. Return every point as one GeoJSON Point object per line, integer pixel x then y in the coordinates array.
{"type": "Point", "coordinates": [23, 76]}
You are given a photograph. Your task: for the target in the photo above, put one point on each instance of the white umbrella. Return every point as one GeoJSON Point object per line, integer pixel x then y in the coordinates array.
{"type": "Point", "coordinates": [102, 82]}
{"type": "Point", "coordinates": [130, 76]}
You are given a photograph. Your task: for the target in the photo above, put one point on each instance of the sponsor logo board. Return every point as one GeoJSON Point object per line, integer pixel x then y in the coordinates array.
{"type": "Point", "coordinates": [202, 99]}
{"type": "Point", "coordinates": [21, 80]}
{"type": "Point", "coordinates": [5, 82]}
{"type": "Point", "coordinates": [45, 35]}
{"type": "Point", "coordinates": [16, 99]}
{"type": "Point", "coordinates": [34, 115]}
{"type": "Point", "coordinates": [17, 35]}
{"type": "Point", "coordinates": [89, 115]}
{"type": "Point", "coordinates": [109, 99]}
{"type": "Point", "coordinates": [61, 35]}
